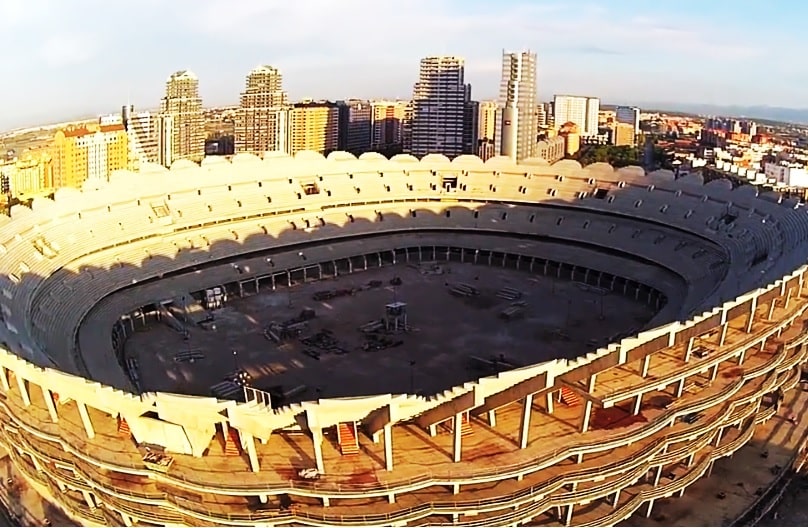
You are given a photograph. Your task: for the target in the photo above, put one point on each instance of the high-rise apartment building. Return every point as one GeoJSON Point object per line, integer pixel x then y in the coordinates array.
{"type": "Point", "coordinates": [623, 135]}
{"type": "Point", "coordinates": [260, 122]}
{"type": "Point", "coordinates": [406, 127]}
{"type": "Point", "coordinates": [355, 129]}
{"type": "Point", "coordinates": [143, 131]}
{"type": "Point", "coordinates": [628, 115]}
{"type": "Point", "coordinates": [29, 175]}
{"type": "Point", "coordinates": [183, 132]}
{"type": "Point", "coordinates": [439, 107]}
{"type": "Point", "coordinates": [542, 116]}
{"type": "Point", "coordinates": [583, 111]}
{"type": "Point", "coordinates": [387, 124]}
{"type": "Point", "coordinates": [487, 120]}
{"type": "Point", "coordinates": [517, 136]}
{"type": "Point", "coordinates": [90, 153]}
{"type": "Point", "coordinates": [471, 124]}
{"type": "Point", "coordinates": [313, 126]}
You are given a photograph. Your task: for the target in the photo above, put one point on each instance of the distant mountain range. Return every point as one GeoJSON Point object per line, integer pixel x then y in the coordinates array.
{"type": "Point", "coordinates": [761, 112]}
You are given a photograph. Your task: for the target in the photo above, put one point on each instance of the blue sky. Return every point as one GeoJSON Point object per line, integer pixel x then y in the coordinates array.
{"type": "Point", "coordinates": [65, 59]}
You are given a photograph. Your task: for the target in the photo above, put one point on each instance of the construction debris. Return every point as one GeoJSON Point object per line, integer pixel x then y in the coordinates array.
{"type": "Point", "coordinates": [509, 294]}
{"type": "Point", "coordinates": [514, 311]}
{"type": "Point", "coordinates": [463, 290]}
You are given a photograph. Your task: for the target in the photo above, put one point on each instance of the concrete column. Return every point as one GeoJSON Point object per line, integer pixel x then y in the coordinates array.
{"type": "Point", "coordinates": [690, 459]}
{"type": "Point", "coordinates": [524, 431]}
{"type": "Point", "coordinates": [637, 404]}
{"type": "Point", "coordinates": [646, 364]}
{"type": "Point", "coordinates": [35, 462]}
{"type": "Point", "coordinates": [458, 437]}
{"type": "Point", "coordinates": [568, 518]}
{"type": "Point", "coordinates": [4, 379]}
{"type": "Point", "coordinates": [772, 306]}
{"type": "Point", "coordinates": [549, 403]}
{"type": "Point", "coordinates": [650, 508]}
{"type": "Point", "coordinates": [388, 446]}
{"type": "Point", "coordinates": [127, 521]}
{"type": "Point", "coordinates": [433, 430]}
{"type": "Point", "coordinates": [682, 492]}
{"type": "Point", "coordinates": [718, 437]}
{"type": "Point", "coordinates": [248, 442]}
{"type": "Point", "coordinates": [741, 356]}
{"type": "Point", "coordinates": [317, 439]}
{"type": "Point", "coordinates": [587, 413]}
{"type": "Point", "coordinates": [50, 404]}
{"type": "Point", "coordinates": [85, 419]}
{"type": "Point", "coordinates": [762, 343]}
{"type": "Point", "coordinates": [391, 498]}
{"type": "Point", "coordinates": [326, 502]}
{"type": "Point", "coordinates": [88, 498]}
{"type": "Point", "coordinates": [26, 399]}
{"type": "Point", "coordinates": [263, 498]}
{"type": "Point", "coordinates": [709, 469]}
{"type": "Point", "coordinates": [723, 338]}
{"type": "Point", "coordinates": [492, 418]}
{"type": "Point", "coordinates": [689, 348]}
{"type": "Point", "coordinates": [752, 311]}
{"type": "Point", "coordinates": [455, 488]}
{"type": "Point", "coordinates": [713, 372]}
{"type": "Point", "coordinates": [616, 499]}
{"type": "Point", "coordinates": [680, 387]}
{"type": "Point", "coordinates": [658, 475]}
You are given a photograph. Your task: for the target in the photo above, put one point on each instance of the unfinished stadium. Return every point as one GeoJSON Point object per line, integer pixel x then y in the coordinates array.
{"type": "Point", "coordinates": [560, 420]}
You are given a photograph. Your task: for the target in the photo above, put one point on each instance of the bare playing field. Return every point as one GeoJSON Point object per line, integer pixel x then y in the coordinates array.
{"type": "Point", "coordinates": [561, 320]}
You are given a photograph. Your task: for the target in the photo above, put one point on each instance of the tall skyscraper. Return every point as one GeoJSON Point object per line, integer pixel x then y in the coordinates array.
{"type": "Point", "coordinates": [517, 136]}
{"type": "Point", "coordinates": [628, 115]}
{"type": "Point", "coordinates": [354, 126]}
{"type": "Point", "coordinates": [583, 111]}
{"type": "Point", "coordinates": [470, 123]}
{"type": "Point", "coordinates": [439, 107]}
{"type": "Point", "coordinates": [143, 130]}
{"type": "Point", "coordinates": [313, 126]}
{"type": "Point", "coordinates": [387, 123]}
{"type": "Point", "coordinates": [487, 120]}
{"type": "Point", "coordinates": [261, 119]}
{"type": "Point", "coordinates": [185, 137]}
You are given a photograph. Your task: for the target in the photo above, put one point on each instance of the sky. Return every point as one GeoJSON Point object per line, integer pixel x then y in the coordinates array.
{"type": "Point", "coordinates": [64, 60]}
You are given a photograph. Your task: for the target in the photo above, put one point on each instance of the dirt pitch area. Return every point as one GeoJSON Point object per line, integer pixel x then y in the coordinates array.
{"type": "Point", "coordinates": [446, 332]}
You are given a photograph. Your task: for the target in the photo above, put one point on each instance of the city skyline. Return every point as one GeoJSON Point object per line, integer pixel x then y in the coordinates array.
{"type": "Point", "coordinates": [96, 56]}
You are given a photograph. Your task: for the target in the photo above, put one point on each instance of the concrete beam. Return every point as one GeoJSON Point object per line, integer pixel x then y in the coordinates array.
{"type": "Point", "coordinates": [583, 393]}
{"type": "Point", "coordinates": [446, 410]}
{"type": "Point", "coordinates": [535, 385]}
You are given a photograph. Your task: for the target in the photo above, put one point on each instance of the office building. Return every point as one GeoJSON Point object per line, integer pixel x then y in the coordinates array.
{"type": "Point", "coordinates": [355, 130]}
{"type": "Point", "coordinates": [623, 135]}
{"type": "Point", "coordinates": [260, 122]}
{"type": "Point", "coordinates": [183, 130]}
{"type": "Point", "coordinates": [439, 107]}
{"type": "Point", "coordinates": [88, 154]}
{"type": "Point", "coordinates": [628, 115]}
{"type": "Point", "coordinates": [313, 126]}
{"type": "Point", "coordinates": [143, 132]}
{"type": "Point", "coordinates": [487, 120]}
{"type": "Point", "coordinates": [470, 123]}
{"type": "Point", "coordinates": [387, 124]}
{"type": "Point", "coordinates": [517, 103]}
{"type": "Point", "coordinates": [583, 111]}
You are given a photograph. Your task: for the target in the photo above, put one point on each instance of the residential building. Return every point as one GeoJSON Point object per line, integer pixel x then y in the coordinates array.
{"type": "Point", "coordinates": [542, 116]}
{"type": "Point", "coordinates": [313, 126]}
{"type": "Point", "coordinates": [487, 120]}
{"type": "Point", "coordinates": [186, 134]}
{"type": "Point", "coordinates": [628, 115]}
{"type": "Point", "coordinates": [406, 128]}
{"type": "Point", "coordinates": [143, 132]}
{"type": "Point", "coordinates": [260, 122]}
{"type": "Point", "coordinates": [517, 103]}
{"type": "Point", "coordinates": [439, 107]}
{"type": "Point", "coordinates": [485, 149]}
{"type": "Point", "coordinates": [786, 174]}
{"type": "Point", "coordinates": [88, 154]}
{"type": "Point", "coordinates": [572, 137]}
{"type": "Point", "coordinates": [583, 111]}
{"type": "Point", "coordinates": [552, 149]}
{"type": "Point", "coordinates": [29, 175]}
{"type": "Point", "coordinates": [623, 135]}
{"type": "Point", "coordinates": [355, 130]}
{"type": "Point", "coordinates": [387, 124]}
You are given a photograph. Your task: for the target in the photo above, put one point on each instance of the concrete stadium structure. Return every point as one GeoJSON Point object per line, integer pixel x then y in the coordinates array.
{"type": "Point", "coordinates": [724, 268]}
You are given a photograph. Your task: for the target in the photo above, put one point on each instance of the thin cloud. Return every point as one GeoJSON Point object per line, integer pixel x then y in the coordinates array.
{"type": "Point", "coordinates": [67, 50]}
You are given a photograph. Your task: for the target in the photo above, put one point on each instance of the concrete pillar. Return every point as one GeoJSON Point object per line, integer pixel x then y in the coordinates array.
{"type": "Point", "coordinates": [587, 413]}
{"type": "Point", "coordinates": [650, 508]}
{"type": "Point", "coordinates": [616, 499]}
{"type": "Point", "coordinates": [4, 380]}
{"type": "Point", "coordinates": [248, 442]}
{"type": "Point", "coordinates": [689, 348]}
{"type": "Point", "coordinates": [47, 395]}
{"type": "Point", "coordinates": [458, 437]}
{"type": "Point", "coordinates": [637, 404]}
{"type": "Point", "coordinates": [690, 459]}
{"type": "Point", "coordinates": [127, 521]}
{"type": "Point", "coordinates": [88, 498]}
{"type": "Point", "coordinates": [326, 502]}
{"type": "Point", "coordinates": [723, 338]}
{"type": "Point", "coordinates": [263, 498]}
{"type": "Point", "coordinates": [772, 306]}
{"type": "Point", "coordinates": [433, 430]}
{"type": "Point", "coordinates": [713, 372]}
{"type": "Point", "coordinates": [492, 418]}
{"type": "Point", "coordinates": [388, 446]}
{"type": "Point", "coordinates": [718, 436]}
{"type": "Point", "coordinates": [709, 469]}
{"type": "Point", "coordinates": [524, 430]}
{"type": "Point", "coordinates": [568, 517]}
{"type": "Point", "coordinates": [455, 488]}
{"type": "Point", "coordinates": [85, 419]}
{"type": "Point", "coordinates": [317, 440]}
{"type": "Point", "coordinates": [26, 399]}
{"type": "Point", "coordinates": [741, 356]}
{"type": "Point", "coordinates": [550, 402]}
{"type": "Point", "coordinates": [752, 310]}
{"type": "Point", "coordinates": [35, 462]}
{"type": "Point", "coordinates": [658, 475]}
{"type": "Point", "coordinates": [682, 492]}
{"type": "Point", "coordinates": [646, 364]}
{"type": "Point", "coordinates": [762, 343]}
{"type": "Point", "coordinates": [680, 387]}
{"type": "Point", "coordinates": [391, 498]}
